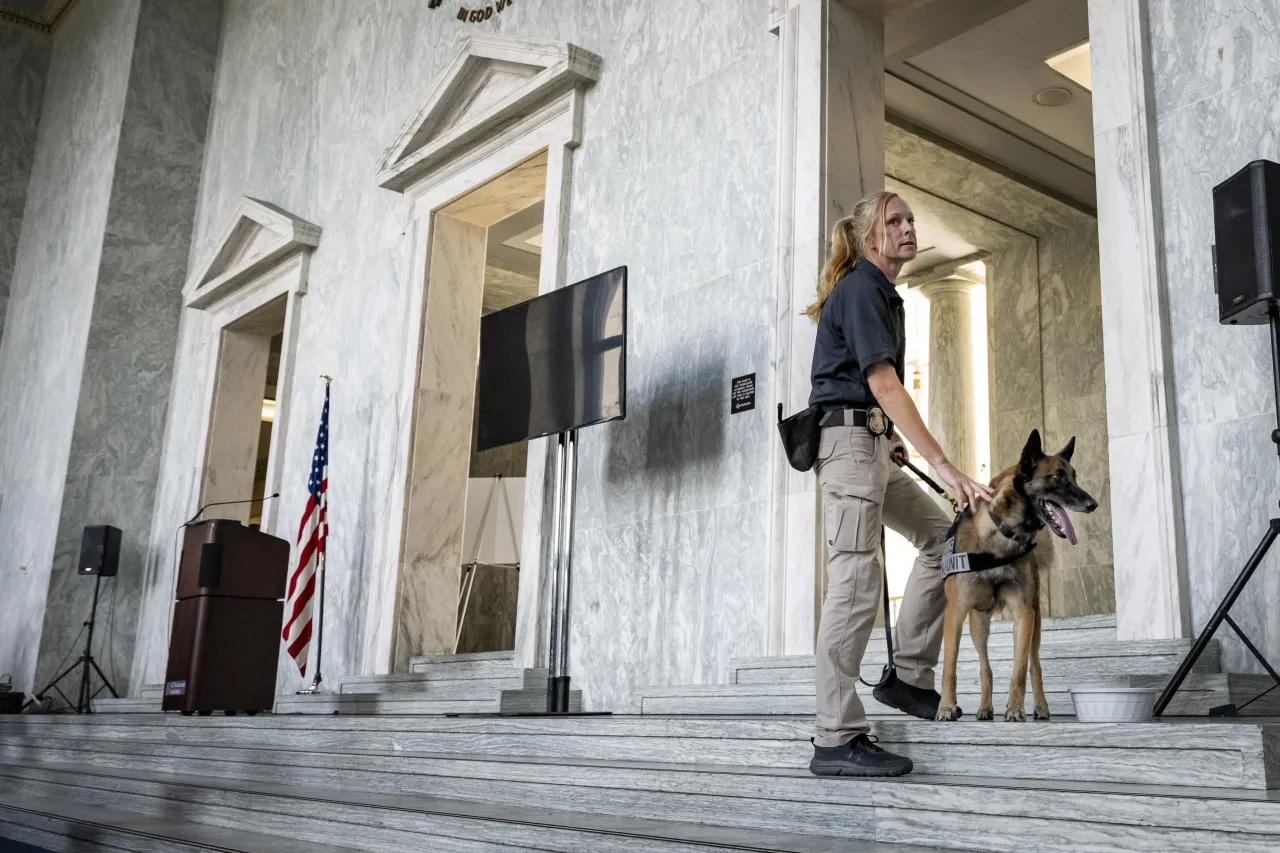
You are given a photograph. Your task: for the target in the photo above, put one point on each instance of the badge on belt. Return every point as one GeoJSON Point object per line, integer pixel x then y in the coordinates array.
{"type": "Point", "coordinates": [877, 422]}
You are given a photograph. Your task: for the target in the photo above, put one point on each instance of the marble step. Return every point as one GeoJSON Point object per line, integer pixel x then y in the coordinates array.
{"type": "Point", "coordinates": [1198, 694]}
{"type": "Point", "coordinates": [1238, 754]}
{"type": "Point", "coordinates": [438, 688]}
{"type": "Point", "coordinates": [482, 665]}
{"type": "Point", "coordinates": [126, 705]}
{"type": "Point", "coordinates": [384, 704]}
{"type": "Point", "coordinates": [1091, 661]}
{"type": "Point", "coordinates": [392, 823]}
{"type": "Point", "coordinates": [71, 826]}
{"type": "Point", "coordinates": [978, 813]}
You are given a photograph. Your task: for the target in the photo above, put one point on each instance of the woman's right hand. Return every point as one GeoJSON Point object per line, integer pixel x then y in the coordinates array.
{"type": "Point", "coordinates": [966, 490]}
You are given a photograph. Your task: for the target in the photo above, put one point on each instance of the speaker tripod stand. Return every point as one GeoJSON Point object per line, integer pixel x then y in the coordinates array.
{"type": "Point", "coordinates": [87, 664]}
{"type": "Point", "coordinates": [1223, 613]}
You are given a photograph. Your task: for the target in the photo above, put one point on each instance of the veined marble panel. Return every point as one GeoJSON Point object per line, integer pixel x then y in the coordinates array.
{"type": "Point", "coordinates": [24, 62]}
{"type": "Point", "coordinates": [1231, 483]}
{"type": "Point", "coordinates": [50, 299]}
{"type": "Point", "coordinates": [930, 167]}
{"type": "Point", "coordinates": [1016, 383]}
{"type": "Point", "coordinates": [666, 601]}
{"type": "Point", "coordinates": [1204, 49]}
{"type": "Point", "coordinates": [1224, 395]}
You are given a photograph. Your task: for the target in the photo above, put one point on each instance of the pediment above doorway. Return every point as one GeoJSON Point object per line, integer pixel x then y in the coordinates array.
{"type": "Point", "coordinates": [491, 83]}
{"type": "Point", "coordinates": [258, 236]}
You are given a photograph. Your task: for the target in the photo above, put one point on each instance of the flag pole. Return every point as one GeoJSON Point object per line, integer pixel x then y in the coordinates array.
{"type": "Point", "coordinates": [315, 683]}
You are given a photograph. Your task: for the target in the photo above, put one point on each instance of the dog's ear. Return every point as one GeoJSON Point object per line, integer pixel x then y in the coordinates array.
{"type": "Point", "coordinates": [1065, 453]}
{"type": "Point", "coordinates": [1031, 453]}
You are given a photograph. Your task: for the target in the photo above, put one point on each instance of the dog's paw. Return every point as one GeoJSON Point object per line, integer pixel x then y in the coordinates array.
{"type": "Point", "coordinates": [985, 715]}
{"type": "Point", "coordinates": [1015, 716]}
{"type": "Point", "coordinates": [1041, 715]}
{"type": "Point", "coordinates": [947, 715]}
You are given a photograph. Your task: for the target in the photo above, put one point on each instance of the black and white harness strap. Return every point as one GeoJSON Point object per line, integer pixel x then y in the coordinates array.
{"type": "Point", "coordinates": [978, 561]}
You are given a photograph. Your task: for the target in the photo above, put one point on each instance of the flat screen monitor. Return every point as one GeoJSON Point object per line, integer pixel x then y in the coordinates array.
{"type": "Point", "coordinates": [554, 363]}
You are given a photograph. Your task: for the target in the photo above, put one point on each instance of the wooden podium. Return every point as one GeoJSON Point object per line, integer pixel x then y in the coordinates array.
{"type": "Point", "coordinates": [225, 642]}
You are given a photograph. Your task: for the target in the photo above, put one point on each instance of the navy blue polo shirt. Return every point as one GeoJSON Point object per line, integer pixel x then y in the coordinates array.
{"type": "Point", "coordinates": [862, 324]}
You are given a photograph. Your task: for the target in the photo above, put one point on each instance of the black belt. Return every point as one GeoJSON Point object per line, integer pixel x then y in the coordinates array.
{"type": "Point", "coordinates": [855, 418]}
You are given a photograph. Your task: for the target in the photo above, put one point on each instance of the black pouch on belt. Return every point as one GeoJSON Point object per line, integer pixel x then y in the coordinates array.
{"type": "Point", "coordinates": [801, 434]}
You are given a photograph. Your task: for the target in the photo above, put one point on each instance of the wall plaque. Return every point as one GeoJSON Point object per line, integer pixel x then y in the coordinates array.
{"type": "Point", "coordinates": [742, 394]}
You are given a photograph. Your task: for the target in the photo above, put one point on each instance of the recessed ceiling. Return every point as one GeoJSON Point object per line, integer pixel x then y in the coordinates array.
{"type": "Point", "coordinates": [1002, 64]}
{"type": "Point", "coordinates": [969, 72]}
{"type": "Point", "coordinates": [37, 14]}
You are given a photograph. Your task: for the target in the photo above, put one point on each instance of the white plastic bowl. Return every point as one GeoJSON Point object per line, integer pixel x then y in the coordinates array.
{"type": "Point", "coordinates": [1113, 704]}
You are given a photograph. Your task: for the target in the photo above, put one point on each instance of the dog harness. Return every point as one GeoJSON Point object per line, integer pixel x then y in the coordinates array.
{"type": "Point", "coordinates": [954, 563]}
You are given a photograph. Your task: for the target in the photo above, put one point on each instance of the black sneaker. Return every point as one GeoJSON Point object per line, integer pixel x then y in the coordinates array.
{"type": "Point", "coordinates": [858, 757]}
{"type": "Point", "coordinates": [909, 699]}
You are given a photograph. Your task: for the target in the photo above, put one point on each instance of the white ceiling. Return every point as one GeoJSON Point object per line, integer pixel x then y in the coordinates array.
{"type": "Point", "coordinates": [967, 71]}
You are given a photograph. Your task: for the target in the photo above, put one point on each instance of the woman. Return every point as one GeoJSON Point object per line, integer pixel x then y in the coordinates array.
{"type": "Point", "coordinates": [857, 380]}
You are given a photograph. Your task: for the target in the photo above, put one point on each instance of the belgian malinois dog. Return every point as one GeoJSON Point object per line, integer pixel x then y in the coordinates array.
{"type": "Point", "coordinates": [1031, 498]}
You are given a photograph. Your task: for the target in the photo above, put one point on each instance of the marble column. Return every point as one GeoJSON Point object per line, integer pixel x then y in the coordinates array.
{"type": "Point", "coordinates": [951, 385]}
{"type": "Point", "coordinates": [1148, 540]}
{"type": "Point", "coordinates": [830, 154]}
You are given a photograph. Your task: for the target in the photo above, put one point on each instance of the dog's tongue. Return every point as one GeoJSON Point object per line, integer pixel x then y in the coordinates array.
{"type": "Point", "coordinates": [1064, 522]}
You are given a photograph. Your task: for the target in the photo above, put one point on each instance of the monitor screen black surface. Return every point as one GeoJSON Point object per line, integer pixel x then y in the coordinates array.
{"type": "Point", "coordinates": [554, 363]}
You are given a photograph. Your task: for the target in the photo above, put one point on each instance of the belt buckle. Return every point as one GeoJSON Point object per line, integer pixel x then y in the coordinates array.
{"type": "Point", "coordinates": [877, 423]}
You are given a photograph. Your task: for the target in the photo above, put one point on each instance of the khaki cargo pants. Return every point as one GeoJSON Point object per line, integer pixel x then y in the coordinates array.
{"type": "Point", "coordinates": [861, 487]}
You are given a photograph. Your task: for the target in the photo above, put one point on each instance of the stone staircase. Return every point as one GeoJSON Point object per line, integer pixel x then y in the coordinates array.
{"type": "Point", "coordinates": [629, 783]}
{"type": "Point", "coordinates": [482, 683]}
{"type": "Point", "coordinates": [702, 768]}
{"type": "Point", "coordinates": [1073, 652]}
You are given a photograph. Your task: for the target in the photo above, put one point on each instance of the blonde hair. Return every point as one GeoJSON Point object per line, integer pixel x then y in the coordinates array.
{"type": "Point", "coordinates": [849, 243]}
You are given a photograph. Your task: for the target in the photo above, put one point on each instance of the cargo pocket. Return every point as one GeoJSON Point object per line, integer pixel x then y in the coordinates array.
{"type": "Point", "coordinates": [851, 525]}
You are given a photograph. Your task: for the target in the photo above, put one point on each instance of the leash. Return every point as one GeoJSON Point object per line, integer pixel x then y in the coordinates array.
{"type": "Point", "coordinates": [955, 506]}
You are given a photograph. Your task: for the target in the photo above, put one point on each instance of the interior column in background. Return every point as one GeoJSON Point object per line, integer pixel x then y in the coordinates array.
{"type": "Point", "coordinates": [952, 398]}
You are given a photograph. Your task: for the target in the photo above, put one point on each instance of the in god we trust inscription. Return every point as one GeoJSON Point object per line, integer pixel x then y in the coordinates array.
{"type": "Point", "coordinates": [476, 16]}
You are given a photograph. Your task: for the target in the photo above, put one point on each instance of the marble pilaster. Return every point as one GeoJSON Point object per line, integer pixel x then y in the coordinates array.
{"type": "Point", "coordinates": [50, 306]}
{"type": "Point", "coordinates": [831, 154]}
{"type": "Point", "coordinates": [24, 62]}
{"type": "Point", "coordinates": [952, 401]}
{"type": "Point", "coordinates": [133, 329]}
{"type": "Point", "coordinates": [1146, 503]}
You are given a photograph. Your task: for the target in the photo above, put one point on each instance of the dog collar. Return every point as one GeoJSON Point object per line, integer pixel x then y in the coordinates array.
{"type": "Point", "coordinates": [1008, 532]}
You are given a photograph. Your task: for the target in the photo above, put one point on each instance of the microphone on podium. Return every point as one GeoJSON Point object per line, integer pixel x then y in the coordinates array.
{"type": "Point", "coordinates": [201, 510]}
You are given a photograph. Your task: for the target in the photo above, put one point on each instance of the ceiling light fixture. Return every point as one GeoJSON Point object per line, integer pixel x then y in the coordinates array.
{"type": "Point", "coordinates": [269, 411]}
{"type": "Point", "coordinates": [1054, 96]}
{"type": "Point", "coordinates": [1073, 63]}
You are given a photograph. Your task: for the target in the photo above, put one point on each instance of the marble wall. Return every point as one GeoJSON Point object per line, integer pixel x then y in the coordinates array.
{"type": "Point", "coordinates": [1215, 81]}
{"type": "Point", "coordinates": [51, 302]}
{"type": "Point", "coordinates": [1081, 577]}
{"type": "Point", "coordinates": [124, 390]}
{"type": "Point", "coordinates": [674, 178]}
{"type": "Point", "coordinates": [24, 62]}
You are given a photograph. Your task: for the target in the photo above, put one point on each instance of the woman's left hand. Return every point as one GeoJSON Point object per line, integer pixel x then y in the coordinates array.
{"type": "Point", "coordinates": [898, 451]}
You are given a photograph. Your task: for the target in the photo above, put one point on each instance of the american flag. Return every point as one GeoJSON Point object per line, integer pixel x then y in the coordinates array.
{"type": "Point", "coordinates": [312, 533]}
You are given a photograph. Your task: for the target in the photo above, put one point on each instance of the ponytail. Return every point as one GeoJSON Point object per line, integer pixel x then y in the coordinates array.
{"type": "Point", "coordinates": [849, 244]}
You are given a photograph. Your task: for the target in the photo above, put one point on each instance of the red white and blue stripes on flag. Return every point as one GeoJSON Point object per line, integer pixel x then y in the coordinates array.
{"type": "Point", "coordinates": [312, 532]}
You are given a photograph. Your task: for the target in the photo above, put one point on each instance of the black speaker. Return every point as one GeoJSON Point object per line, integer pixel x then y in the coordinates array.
{"type": "Point", "coordinates": [1246, 223]}
{"type": "Point", "coordinates": [100, 551]}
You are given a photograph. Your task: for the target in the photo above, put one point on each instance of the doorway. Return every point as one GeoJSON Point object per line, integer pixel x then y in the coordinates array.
{"type": "Point", "coordinates": [465, 515]}
{"type": "Point", "coordinates": [239, 448]}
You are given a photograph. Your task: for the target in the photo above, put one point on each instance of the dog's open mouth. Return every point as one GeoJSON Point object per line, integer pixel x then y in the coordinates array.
{"type": "Point", "coordinates": [1058, 520]}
